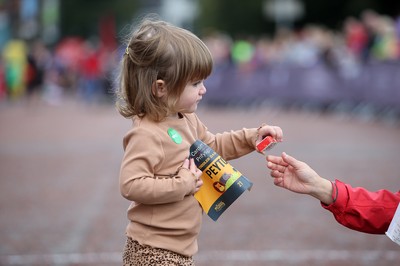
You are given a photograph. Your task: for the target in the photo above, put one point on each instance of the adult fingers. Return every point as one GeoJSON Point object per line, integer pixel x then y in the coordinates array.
{"type": "Point", "coordinates": [276, 160]}
{"type": "Point", "coordinates": [276, 167]}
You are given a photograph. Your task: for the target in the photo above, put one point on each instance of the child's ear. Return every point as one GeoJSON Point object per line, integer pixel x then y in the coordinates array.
{"type": "Point", "coordinates": [159, 89]}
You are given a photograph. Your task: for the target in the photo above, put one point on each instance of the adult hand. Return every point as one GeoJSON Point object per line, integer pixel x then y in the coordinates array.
{"type": "Point", "coordinates": [297, 176]}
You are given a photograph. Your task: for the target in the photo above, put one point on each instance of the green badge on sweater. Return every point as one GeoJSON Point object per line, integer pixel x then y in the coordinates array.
{"type": "Point", "coordinates": [174, 135]}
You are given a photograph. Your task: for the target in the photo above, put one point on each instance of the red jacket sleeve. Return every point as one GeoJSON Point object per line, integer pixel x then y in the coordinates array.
{"type": "Point", "coordinates": [363, 210]}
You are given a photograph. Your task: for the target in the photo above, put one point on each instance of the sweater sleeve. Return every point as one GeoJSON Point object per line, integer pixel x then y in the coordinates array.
{"type": "Point", "coordinates": [362, 210]}
{"type": "Point", "coordinates": [138, 181]}
{"type": "Point", "coordinates": [229, 144]}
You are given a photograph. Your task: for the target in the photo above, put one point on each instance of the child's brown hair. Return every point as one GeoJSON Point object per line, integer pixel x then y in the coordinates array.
{"type": "Point", "coordinates": [158, 50]}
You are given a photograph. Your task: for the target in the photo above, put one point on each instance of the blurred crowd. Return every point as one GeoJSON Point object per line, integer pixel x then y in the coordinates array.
{"type": "Point", "coordinates": [372, 37]}
{"type": "Point", "coordinates": [82, 69]}
{"type": "Point", "coordinates": [74, 68]}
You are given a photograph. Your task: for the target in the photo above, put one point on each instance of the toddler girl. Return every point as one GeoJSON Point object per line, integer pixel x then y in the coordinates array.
{"type": "Point", "coordinates": [160, 86]}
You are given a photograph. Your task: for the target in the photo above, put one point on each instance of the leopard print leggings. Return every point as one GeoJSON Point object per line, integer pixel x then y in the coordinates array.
{"type": "Point", "coordinates": [138, 255]}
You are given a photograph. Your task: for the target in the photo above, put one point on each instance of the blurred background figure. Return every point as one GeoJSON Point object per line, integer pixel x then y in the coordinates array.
{"type": "Point", "coordinates": [14, 56]}
{"type": "Point", "coordinates": [37, 66]}
{"type": "Point", "coordinates": [292, 53]}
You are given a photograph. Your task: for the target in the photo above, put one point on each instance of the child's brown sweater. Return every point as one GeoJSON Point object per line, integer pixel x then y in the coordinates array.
{"type": "Point", "coordinates": [164, 213]}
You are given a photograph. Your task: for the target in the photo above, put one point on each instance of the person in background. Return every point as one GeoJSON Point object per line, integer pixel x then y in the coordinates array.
{"type": "Point", "coordinates": [354, 207]}
{"type": "Point", "coordinates": [37, 60]}
{"type": "Point", "coordinates": [160, 86]}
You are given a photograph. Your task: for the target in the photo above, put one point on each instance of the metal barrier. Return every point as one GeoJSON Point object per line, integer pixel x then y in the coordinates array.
{"type": "Point", "coordinates": [377, 84]}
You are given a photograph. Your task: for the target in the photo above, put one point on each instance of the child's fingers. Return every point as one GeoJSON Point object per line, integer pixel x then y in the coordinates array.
{"type": "Point", "coordinates": [192, 165]}
{"type": "Point", "coordinates": [274, 131]}
{"type": "Point", "coordinates": [279, 134]}
{"type": "Point", "coordinates": [199, 183]}
{"type": "Point", "coordinates": [186, 163]}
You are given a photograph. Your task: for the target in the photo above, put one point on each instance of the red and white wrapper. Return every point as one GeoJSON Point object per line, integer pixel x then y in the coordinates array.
{"type": "Point", "coordinates": [267, 143]}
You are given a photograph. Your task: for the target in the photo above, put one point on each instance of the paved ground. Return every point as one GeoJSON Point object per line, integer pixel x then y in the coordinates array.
{"type": "Point", "coordinates": [60, 203]}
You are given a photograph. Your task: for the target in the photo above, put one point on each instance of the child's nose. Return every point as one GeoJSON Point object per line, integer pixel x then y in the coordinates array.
{"type": "Point", "coordinates": [203, 90]}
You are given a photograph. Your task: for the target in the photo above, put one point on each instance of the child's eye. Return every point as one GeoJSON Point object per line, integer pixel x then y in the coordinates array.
{"type": "Point", "coordinates": [197, 83]}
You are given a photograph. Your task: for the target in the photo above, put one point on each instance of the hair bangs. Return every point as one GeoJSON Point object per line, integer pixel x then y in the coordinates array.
{"type": "Point", "coordinates": [201, 63]}
{"type": "Point", "coordinates": [195, 58]}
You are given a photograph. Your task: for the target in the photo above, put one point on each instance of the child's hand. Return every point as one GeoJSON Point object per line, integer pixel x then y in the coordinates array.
{"type": "Point", "coordinates": [266, 130]}
{"type": "Point", "coordinates": [190, 164]}
{"type": "Point", "coordinates": [199, 183]}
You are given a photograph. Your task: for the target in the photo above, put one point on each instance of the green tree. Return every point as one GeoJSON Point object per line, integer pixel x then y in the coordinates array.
{"type": "Point", "coordinates": [236, 17]}
{"type": "Point", "coordinates": [81, 17]}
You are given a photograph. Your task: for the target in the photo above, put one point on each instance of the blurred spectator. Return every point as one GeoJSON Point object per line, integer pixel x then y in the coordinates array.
{"type": "Point", "coordinates": [220, 47]}
{"type": "Point", "coordinates": [356, 36]}
{"type": "Point", "coordinates": [304, 49]}
{"type": "Point", "coordinates": [3, 85]}
{"type": "Point", "coordinates": [38, 59]}
{"type": "Point", "coordinates": [385, 46]}
{"type": "Point", "coordinates": [309, 62]}
{"type": "Point", "coordinates": [90, 74]}
{"type": "Point", "coordinates": [369, 19]}
{"type": "Point", "coordinates": [397, 27]}
{"type": "Point", "coordinates": [14, 54]}
{"type": "Point", "coordinates": [242, 52]}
